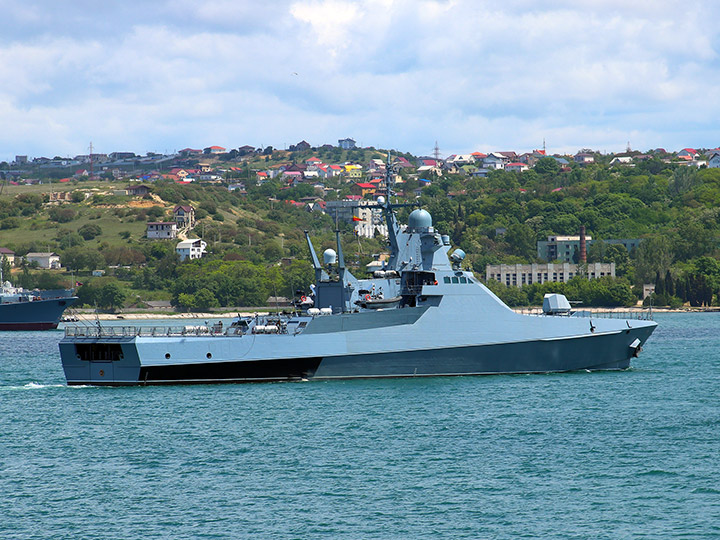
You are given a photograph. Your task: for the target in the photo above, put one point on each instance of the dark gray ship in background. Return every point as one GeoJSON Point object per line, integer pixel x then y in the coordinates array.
{"type": "Point", "coordinates": [22, 309]}
{"type": "Point", "coordinates": [420, 315]}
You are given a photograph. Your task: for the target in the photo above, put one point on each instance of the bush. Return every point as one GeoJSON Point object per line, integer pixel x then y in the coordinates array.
{"type": "Point", "coordinates": [665, 300]}
{"type": "Point", "coordinates": [155, 213]}
{"type": "Point", "coordinates": [89, 231]}
{"type": "Point", "coordinates": [10, 223]}
{"type": "Point", "coordinates": [61, 214]}
{"type": "Point", "coordinates": [70, 239]}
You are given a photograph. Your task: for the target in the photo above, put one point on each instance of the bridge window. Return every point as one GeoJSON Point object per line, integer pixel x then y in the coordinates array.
{"type": "Point", "coordinates": [455, 279]}
{"type": "Point", "coordinates": [463, 279]}
{"type": "Point", "coordinates": [446, 279]}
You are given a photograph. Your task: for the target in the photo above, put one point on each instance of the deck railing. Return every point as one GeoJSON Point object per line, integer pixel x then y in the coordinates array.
{"type": "Point", "coordinates": [634, 314]}
{"type": "Point", "coordinates": [143, 331]}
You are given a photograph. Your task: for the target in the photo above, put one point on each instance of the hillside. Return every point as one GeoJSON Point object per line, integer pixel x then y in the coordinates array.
{"type": "Point", "coordinates": [257, 249]}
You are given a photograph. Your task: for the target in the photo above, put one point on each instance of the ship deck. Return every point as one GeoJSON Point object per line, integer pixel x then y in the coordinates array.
{"type": "Point", "coordinates": [129, 331]}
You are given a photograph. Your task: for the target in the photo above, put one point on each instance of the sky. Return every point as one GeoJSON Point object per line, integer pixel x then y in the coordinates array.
{"type": "Point", "coordinates": [473, 75]}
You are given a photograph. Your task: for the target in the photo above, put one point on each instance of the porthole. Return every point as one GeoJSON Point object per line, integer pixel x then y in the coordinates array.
{"type": "Point", "coordinates": [167, 356]}
{"type": "Point", "coordinates": [209, 356]}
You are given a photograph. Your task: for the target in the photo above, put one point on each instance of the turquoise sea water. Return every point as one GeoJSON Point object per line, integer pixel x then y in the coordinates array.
{"type": "Point", "coordinates": [634, 454]}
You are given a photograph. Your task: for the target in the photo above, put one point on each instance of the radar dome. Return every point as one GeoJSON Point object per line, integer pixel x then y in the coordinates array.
{"type": "Point", "coordinates": [419, 219]}
{"type": "Point", "coordinates": [329, 256]}
{"type": "Point", "coordinates": [457, 256]}
{"type": "Point", "coordinates": [381, 200]}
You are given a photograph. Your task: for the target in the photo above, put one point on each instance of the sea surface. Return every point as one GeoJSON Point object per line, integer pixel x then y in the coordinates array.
{"type": "Point", "coordinates": [633, 454]}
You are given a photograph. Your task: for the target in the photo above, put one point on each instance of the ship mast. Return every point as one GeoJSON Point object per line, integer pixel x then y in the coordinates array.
{"type": "Point", "coordinates": [392, 226]}
{"type": "Point", "coordinates": [389, 214]}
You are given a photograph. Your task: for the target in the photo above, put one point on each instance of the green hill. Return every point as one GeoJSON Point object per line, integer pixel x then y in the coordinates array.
{"type": "Point", "coordinates": [255, 239]}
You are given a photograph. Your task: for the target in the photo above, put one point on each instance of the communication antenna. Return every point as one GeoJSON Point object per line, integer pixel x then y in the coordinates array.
{"type": "Point", "coordinates": [436, 151]}
{"type": "Point", "coordinates": [91, 161]}
{"type": "Point", "coordinates": [628, 149]}
{"type": "Point", "coordinates": [544, 151]}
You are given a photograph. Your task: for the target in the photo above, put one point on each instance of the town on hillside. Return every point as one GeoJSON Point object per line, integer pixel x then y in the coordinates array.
{"type": "Point", "coordinates": [343, 182]}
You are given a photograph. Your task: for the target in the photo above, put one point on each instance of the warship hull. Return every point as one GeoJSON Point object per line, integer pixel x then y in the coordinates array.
{"type": "Point", "coordinates": [141, 361]}
{"type": "Point", "coordinates": [33, 315]}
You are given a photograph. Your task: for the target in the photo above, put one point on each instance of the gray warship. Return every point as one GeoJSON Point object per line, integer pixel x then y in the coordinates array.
{"type": "Point", "coordinates": [420, 315]}
{"type": "Point", "coordinates": [22, 309]}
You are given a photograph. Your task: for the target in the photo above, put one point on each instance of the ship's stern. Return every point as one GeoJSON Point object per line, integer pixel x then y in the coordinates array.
{"type": "Point", "coordinates": [100, 361]}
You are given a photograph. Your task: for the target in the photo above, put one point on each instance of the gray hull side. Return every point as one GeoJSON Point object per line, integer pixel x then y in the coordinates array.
{"type": "Point", "coordinates": [600, 352]}
{"type": "Point", "coordinates": [35, 315]}
{"type": "Point", "coordinates": [609, 351]}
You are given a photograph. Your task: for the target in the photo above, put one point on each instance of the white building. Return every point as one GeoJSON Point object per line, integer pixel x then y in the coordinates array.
{"type": "Point", "coordinates": [516, 167]}
{"type": "Point", "coordinates": [44, 260]}
{"type": "Point", "coordinates": [518, 275]}
{"type": "Point", "coordinates": [346, 144]}
{"type": "Point", "coordinates": [191, 249]}
{"type": "Point", "coordinates": [8, 254]}
{"type": "Point", "coordinates": [162, 229]}
{"type": "Point", "coordinates": [494, 161]}
{"type": "Point", "coordinates": [714, 161]}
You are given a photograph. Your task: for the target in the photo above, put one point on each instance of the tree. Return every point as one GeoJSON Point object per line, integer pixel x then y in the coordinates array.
{"type": "Point", "coordinates": [77, 258]}
{"type": "Point", "coordinates": [6, 269]}
{"type": "Point", "coordinates": [89, 231]}
{"type": "Point", "coordinates": [62, 214]}
{"type": "Point", "coordinates": [204, 299]}
{"type": "Point", "coordinates": [522, 240]}
{"type": "Point", "coordinates": [70, 239]}
{"type": "Point", "coordinates": [186, 301]}
{"type": "Point", "coordinates": [683, 180]}
{"type": "Point", "coordinates": [547, 165]}
{"type": "Point", "coordinates": [694, 239]}
{"type": "Point", "coordinates": [618, 254]}
{"type": "Point", "coordinates": [654, 255]}
{"type": "Point", "coordinates": [111, 295]}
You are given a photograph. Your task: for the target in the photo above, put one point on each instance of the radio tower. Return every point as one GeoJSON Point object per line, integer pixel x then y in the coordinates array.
{"type": "Point", "coordinates": [91, 162]}
{"type": "Point", "coordinates": [436, 152]}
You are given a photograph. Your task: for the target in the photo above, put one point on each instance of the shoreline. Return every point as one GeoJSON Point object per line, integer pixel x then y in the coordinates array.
{"type": "Point", "coordinates": [251, 312]}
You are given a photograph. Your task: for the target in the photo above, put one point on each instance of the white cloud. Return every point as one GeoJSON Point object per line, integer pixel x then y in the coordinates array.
{"type": "Point", "coordinates": [398, 73]}
{"type": "Point", "coordinates": [330, 21]}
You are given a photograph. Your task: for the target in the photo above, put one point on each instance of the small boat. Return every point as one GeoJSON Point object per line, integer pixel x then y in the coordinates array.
{"type": "Point", "coordinates": [374, 302]}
